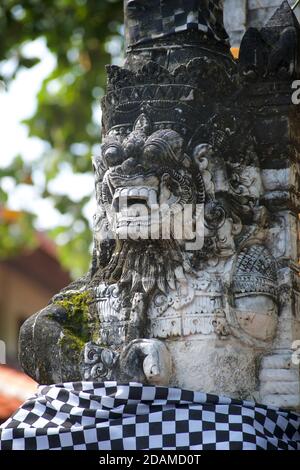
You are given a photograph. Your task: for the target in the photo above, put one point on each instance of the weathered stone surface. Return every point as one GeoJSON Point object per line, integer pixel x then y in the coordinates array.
{"type": "Point", "coordinates": [43, 353]}
{"type": "Point", "coordinates": [186, 127]}
{"type": "Point", "coordinates": [239, 15]}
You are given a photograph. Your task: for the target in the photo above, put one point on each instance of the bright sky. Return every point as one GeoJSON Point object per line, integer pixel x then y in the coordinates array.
{"type": "Point", "coordinates": [17, 103]}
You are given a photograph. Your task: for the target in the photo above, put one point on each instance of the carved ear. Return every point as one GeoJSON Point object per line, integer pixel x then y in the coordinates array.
{"type": "Point", "coordinates": [143, 124]}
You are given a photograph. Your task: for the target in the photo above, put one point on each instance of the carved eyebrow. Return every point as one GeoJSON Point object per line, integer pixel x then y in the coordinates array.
{"type": "Point", "coordinates": [106, 145]}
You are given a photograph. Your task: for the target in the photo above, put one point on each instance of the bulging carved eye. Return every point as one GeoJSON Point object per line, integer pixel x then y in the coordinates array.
{"type": "Point", "coordinates": [113, 156]}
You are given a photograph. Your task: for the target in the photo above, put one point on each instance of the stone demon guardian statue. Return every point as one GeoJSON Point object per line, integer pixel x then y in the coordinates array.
{"type": "Point", "coordinates": [199, 310]}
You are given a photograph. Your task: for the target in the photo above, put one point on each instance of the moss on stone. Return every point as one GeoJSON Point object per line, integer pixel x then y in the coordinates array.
{"type": "Point", "coordinates": [76, 324]}
{"type": "Point", "coordinates": [71, 343]}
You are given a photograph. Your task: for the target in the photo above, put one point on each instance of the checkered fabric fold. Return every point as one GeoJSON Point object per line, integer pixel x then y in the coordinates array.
{"type": "Point", "coordinates": [110, 416]}
{"type": "Point", "coordinates": [147, 20]}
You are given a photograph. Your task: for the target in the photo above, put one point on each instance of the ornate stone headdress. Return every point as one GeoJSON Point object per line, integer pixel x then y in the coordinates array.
{"type": "Point", "coordinates": [178, 99]}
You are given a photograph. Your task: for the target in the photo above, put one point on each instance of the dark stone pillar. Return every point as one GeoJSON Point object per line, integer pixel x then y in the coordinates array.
{"type": "Point", "coordinates": [269, 64]}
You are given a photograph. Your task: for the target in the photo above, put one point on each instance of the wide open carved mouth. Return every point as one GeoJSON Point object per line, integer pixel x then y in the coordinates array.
{"type": "Point", "coordinates": [126, 198]}
{"type": "Point", "coordinates": [147, 204]}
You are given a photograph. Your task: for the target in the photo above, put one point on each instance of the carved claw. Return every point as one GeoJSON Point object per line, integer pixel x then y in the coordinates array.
{"type": "Point", "coordinates": [147, 359]}
{"type": "Point", "coordinates": [157, 363]}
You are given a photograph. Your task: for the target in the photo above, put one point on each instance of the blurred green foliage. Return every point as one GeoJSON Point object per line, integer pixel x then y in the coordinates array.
{"type": "Point", "coordinates": [78, 33]}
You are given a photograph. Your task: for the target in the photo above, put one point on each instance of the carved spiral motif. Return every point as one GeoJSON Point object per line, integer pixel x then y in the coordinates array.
{"type": "Point", "coordinates": [215, 215]}
{"type": "Point", "coordinates": [98, 362]}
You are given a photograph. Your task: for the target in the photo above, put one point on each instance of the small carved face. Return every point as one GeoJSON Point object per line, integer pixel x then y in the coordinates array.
{"type": "Point", "coordinates": [147, 177]}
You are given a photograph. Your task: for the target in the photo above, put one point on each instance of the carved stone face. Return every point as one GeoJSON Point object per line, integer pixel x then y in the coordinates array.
{"type": "Point", "coordinates": [148, 179]}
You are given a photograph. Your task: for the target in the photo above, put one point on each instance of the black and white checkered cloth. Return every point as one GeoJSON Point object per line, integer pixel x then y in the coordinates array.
{"type": "Point", "coordinates": [147, 20]}
{"type": "Point", "coordinates": [109, 416]}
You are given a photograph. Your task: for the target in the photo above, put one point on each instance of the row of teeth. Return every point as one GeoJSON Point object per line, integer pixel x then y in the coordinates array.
{"type": "Point", "coordinates": [146, 194]}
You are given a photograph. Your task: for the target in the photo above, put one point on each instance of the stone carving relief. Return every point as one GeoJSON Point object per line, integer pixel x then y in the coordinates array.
{"type": "Point", "coordinates": [162, 308]}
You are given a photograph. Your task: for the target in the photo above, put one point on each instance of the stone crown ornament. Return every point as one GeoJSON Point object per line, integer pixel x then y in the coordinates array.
{"type": "Point", "coordinates": [169, 97]}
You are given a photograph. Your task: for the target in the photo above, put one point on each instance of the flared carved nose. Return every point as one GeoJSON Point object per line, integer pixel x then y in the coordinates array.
{"type": "Point", "coordinates": [129, 165]}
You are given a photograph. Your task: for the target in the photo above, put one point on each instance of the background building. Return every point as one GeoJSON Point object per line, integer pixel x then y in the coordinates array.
{"type": "Point", "coordinates": [27, 281]}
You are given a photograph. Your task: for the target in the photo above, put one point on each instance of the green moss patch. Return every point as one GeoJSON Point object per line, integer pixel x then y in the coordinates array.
{"type": "Point", "coordinates": [76, 324]}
